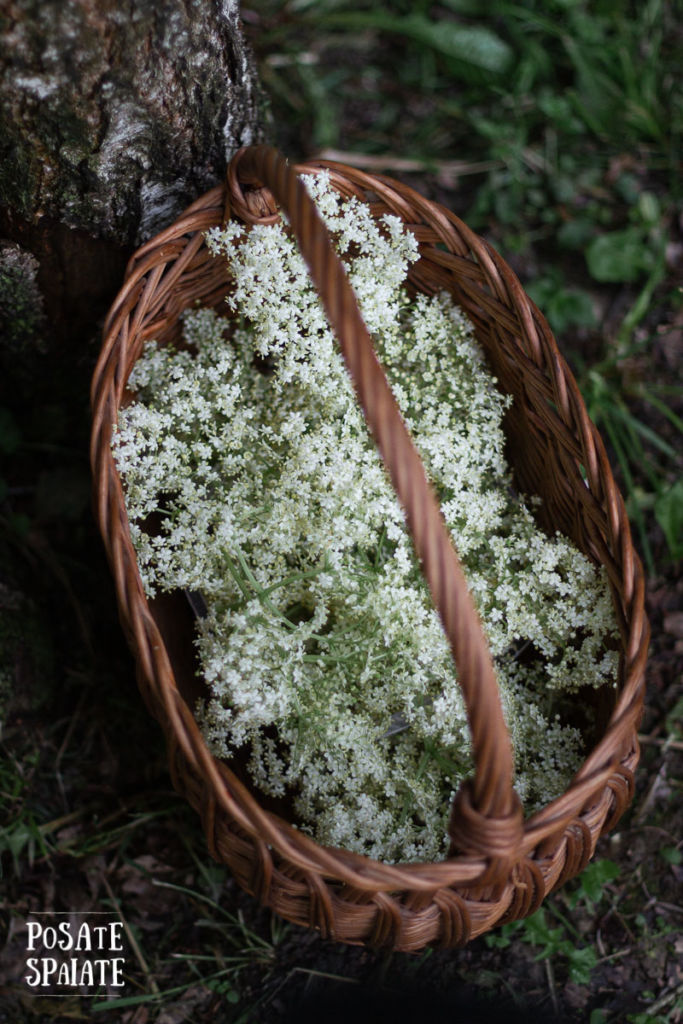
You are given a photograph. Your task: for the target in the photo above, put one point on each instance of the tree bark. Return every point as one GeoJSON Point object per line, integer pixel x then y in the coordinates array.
{"type": "Point", "coordinates": [113, 117]}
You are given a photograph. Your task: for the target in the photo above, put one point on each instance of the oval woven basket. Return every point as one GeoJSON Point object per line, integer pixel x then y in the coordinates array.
{"type": "Point", "coordinates": [500, 865]}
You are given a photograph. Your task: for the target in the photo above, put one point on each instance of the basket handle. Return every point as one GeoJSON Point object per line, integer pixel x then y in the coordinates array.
{"type": "Point", "coordinates": [486, 819]}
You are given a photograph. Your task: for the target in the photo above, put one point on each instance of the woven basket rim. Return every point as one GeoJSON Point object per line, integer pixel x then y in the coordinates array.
{"type": "Point", "coordinates": [602, 787]}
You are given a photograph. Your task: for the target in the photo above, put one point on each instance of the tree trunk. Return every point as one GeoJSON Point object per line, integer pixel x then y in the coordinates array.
{"type": "Point", "coordinates": [113, 117]}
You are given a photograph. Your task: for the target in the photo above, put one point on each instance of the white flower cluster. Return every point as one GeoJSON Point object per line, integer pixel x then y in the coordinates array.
{"type": "Point", "coordinates": [321, 649]}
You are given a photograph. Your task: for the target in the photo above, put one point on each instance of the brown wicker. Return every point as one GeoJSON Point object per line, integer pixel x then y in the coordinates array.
{"type": "Point", "coordinates": [500, 866]}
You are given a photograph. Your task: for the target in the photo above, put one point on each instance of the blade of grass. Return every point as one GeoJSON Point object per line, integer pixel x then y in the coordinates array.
{"type": "Point", "coordinates": [144, 966]}
{"type": "Point", "coordinates": [630, 486]}
{"type": "Point", "coordinates": [622, 413]}
{"type": "Point", "coordinates": [648, 396]}
{"type": "Point", "coordinates": [149, 997]}
{"type": "Point", "coordinates": [644, 300]}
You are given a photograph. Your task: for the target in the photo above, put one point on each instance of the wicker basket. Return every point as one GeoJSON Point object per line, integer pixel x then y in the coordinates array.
{"type": "Point", "coordinates": [500, 866]}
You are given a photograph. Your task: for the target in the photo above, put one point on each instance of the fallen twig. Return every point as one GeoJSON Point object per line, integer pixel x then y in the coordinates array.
{"type": "Point", "coordinates": [389, 162]}
{"type": "Point", "coordinates": [659, 741]}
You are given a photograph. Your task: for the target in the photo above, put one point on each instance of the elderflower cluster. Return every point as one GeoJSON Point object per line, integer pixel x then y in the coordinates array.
{"type": "Point", "coordinates": [321, 650]}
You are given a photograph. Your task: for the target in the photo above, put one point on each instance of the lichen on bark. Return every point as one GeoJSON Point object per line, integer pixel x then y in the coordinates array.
{"type": "Point", "coordinates": [21, 303]}
{"type": "Point", "coordinates": [114, 116]}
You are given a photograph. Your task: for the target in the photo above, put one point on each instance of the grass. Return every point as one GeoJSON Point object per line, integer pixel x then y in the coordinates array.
{"type": "Point", "coordinates": [554, 129]}
{"type": "Point", "coordinates": [566, 120]}
{"type": "Point", "coordinates": [179, 939]}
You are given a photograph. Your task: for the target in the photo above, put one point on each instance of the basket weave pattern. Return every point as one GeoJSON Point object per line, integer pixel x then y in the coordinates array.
{"type": "Point", "coordinates": [501, 866]}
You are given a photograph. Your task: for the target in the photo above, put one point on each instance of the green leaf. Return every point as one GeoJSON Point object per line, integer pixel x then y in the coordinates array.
{"type": "Point", "coordinates": [564, 307]}
{"type": "Point", "coordinates": [539, 933]}
{"type": "Point", "coordinates": [674, 719]}
{"type": "Point", "coordinates": [628, 187]}
{"type": "Point", "coordinates": [593, 880]}
{"type": "Point", "coordinates": [669, 515]}
{"type": "Point", "coordinates": [472, 44]}
{"type": "Point", "coordinates": [581, 963]}
{"type": "Point", "coordinates": [619, 255]}
{"type": "Point", "coordinates": [648, 208]}
{"type": "Point", "coordinates": [575, 233]}
{"type": "Point", "coordinates": [672, 855]}
{"type": "Point", "coordinates": [504, 935]}
{"type": "Point", "coordinates": [573, 308]}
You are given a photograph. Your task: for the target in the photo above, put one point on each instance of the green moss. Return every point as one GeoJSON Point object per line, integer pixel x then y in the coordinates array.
{"type": "Point", "coordinates": [21, 304]}
{"type": "Point", "coordinates": [19, 170]}
{"type": "Point", "coordinates": [41, 162]}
